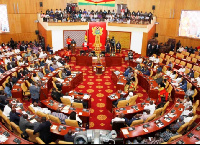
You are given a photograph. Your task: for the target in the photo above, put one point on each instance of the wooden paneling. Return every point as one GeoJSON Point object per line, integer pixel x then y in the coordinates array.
{"type": "Point", "coordinates": [18, 37]}
{"type": "Point", "coordinates": [46, 34]}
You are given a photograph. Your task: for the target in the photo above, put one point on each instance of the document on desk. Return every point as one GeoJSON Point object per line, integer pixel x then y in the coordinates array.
{"type": "Point", "coordinates": [3, 138]}
{"type": "Point", "coordinates": [197, 142]}
{"type": "Point", "coordinates": [125, 131]}
{"type": "Point", "coordinates": [145, 130]}
{"type": "Point", "coordinates": [54, 127]}
{"type": "Point", "coordinates": [33, 121]}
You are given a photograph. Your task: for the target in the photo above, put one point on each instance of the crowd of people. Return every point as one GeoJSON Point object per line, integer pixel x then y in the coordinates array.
{"type": "Point", "coordinates": [74, 14]}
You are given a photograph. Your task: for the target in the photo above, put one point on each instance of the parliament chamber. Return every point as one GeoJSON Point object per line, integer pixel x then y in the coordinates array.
{"type": "Point", "coordinates": [99, 72]}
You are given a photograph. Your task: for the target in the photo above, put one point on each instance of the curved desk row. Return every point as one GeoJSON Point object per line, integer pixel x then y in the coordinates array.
{"type": "Point", "coordinates": [139, 130]}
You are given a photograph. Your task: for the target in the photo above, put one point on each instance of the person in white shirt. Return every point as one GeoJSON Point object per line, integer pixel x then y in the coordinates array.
{"type": "Point", "coordinates": [187, 102]}
{"type": "Point", "coordinates": [188, 118]}
{"type": "Point", "coordinates": [7, 110]}
{"type": "Point", "coordinates": [21, 62]}
{"type": "Point", "coordinates": [139, 60]}
{"type": "Point", "coordinates": [57, 57]}
{"type": "Point", "coordinates": [173, 75]}
{"type": "Point", "coordinates": [119, 118]}
{"type": "Point", "coordinates": [180, 49]}
{"type": "Point", "coordinates": [182, 70]}
{"type": "Point", "coordinates": [17, 51]}
{"type": "Point", "coordinates": [18, 57]}
{"type": "Point", "coordinates": [37, 108]}
{"type": "Point", "coordinates": [42, 54]}
{"type": "Point", "coordinates": [7, 60]}
{"type": "Point", "coordinates": [129, 96]}
{"type": "Point", "coordinates": [49, 61]}
{"type": "Point", "coordinates": [198, 80]}
{"type": "Point", "coordinates": [71, 98]}
{"type": "Point", "coordinates": [35, 78]}
{"type": "Point", "coordinates": [59, 64]}
{"type": "Point", "coordinates": [151, 106]}
{"type": "Point", "coordinates": [179, 79]}
{"type": "Point", "coordinates": [30, 68]}
{"type": "Point", "coordinates": [168, 72]}
{"type": "Point", "coordinates": [187, 111]}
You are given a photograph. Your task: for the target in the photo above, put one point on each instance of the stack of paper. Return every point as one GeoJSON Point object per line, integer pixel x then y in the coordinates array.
{"type": "Point", "coordinates": [33, 121]}
{"type": "Point", "coordinates": [125, 131]}
{"type": "Point", "coordinates": [197, 142]}
{"type": "Point", "coordinates": [3, 138]}
{"type": "Point", "coordinates": [145, 130]}
{"type": "Point", "coordinates": [54, 127]}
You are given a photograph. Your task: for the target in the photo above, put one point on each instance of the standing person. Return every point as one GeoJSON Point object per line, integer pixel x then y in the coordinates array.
{"type": "Point", "coordinates": [118, 47]}
{"type": "Point", "coordinates": [108, 48]}
{"type": "Point", "coordinates": [85, 46]}
{"type": "Point", "coordinates": [69, 42]}
{"type": "Point", "coordinates": [112, 44]}
{"type": "Point", "coordinates": [44, 130]}
{"type": "Point", "coordinates": [12, 43]}
{"type": "Point", "coordinates": [35, 92]}
{"type": "Point", "coordinates": [178, 45]}
{"type": "Point", "coordinates": [149, 49]}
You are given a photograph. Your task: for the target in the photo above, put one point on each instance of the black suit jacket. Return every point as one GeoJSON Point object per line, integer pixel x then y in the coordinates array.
{"type": "Point", "coordinates": [9, 67]}
{"type": "Point", "coordinates": [69, 138]}
{"type": "Point", "coordinates": [14, 118]}
{"type": "Point", "coordinates": [118, 46]}
{"type": "Point", "coordinates": [44, 130]}
{"type": "Point", "coordinates": [69, 9]}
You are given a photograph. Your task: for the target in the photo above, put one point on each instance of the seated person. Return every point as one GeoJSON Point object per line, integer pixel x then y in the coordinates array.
{"type": "Point", "coordinates": [54, 65]}
{"type": "Point", "coordinates": [173, 75]}
{"type": "Point", "coordinates": [35, 78]}
{"type": "Point", "coordinates": [130, 55]}
{"type": "Point", "coordinates": [40, 74]}
{"type": "Point", "coordinates": [47, 71]}
{"type": "Point", "coordinates": [42, 63]}
{"type": "Point", "coordinates": [188, 118]}
{"type": "Point", "coordinates": [187, 102]}
{"type": "Point", "coordinates": [1, 69]}
{"type": "Point", "coordinates": [57, 57]}
{"type": "Point", "coordinates": [158, 78]}
{"type": "Point", "coordinates": [14, 116]}
{"type": "Point", "coordinates": [191, 74]}
{"type": "Point", "coordinates": [78, 100]}
{"type": "Point", "coordinates": [68, 71]}
{"type": "Point", "coordinates": [120, 118]}
{"type": "Point", "coordinates": [138, 67]}
{"type": "Point", "coordinates": [74, 116]}
{"type": "Point", "coordinates": [170, 64]}
{"type": "Point", "coordinates": [42, 54]}
{"type": "Point", "coordinates": [61, 116]}
{"type": "Point", "coordinates": [9, 66]}
{"type": "Point", "coordinates": [51, 68]}
{"type": "Point", "coordinates": [69, 137]}
{"type": "Point", "coordinates": [139, 60]}
{"type": "Point", "coordinates": [49, 61]}
{"type": "Point", "coordinates": [37, 108]}
{"type": "Point", "coordinates": [7, 110]}
{"type": "Point", "coordinates": [190, 92]}
{"type": "Point", "coordinates": [151, 106]}
{"type": "Point", "coordinates": [129, 95]}
{"type": "Point", "coordinates": [178, 79]}
{"type": "Point", "coordinates": [21, 62]}
{"type": "Point", "coordinates": [120, 99]}
{"type": "Point", "coordinates": [149, 64]}
{"type": "Point", "coordinates": [155, 140]}
{"type": "Point", "coordinates": [166, 135]}
{"type": "Point", "coordinates": [183, 85]}
{"type": "Point", "coordinates": [7, 90]}
{"type": "Point", "coordinates": [146, 71]}
{"type": "Point", "coordinates": [127, 71]}
{"type": "Point", "coordinates": [182, 69]}
{"type": "Point", "coordinates": [159, 69]}
{"type": "Point", "coordinates": [175, 126]}
{"type": "Point", "coordinates": [168, 72]}
{"type": "Point", "coordinates": [187, 111]}
{"type": "Point", "coordinates": [56, 95]}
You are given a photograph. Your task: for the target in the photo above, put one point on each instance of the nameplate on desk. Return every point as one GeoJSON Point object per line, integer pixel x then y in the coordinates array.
{"type": "Point", "coordinates": [3, 138]}
{"type": "Point", "coordinates": [125, 131]}
{"type": "Point", "coordinates": [53, 127]}
{"type": "Point", "coordinates": [16, 140]}
{"type": "Point", "coordinates": [119, 83]}
{"type": "Point", "coordinates": [145, 130]}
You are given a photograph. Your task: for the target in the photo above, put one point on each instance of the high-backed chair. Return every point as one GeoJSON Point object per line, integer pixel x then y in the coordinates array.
{"type": "Point", "coordinates": [16, 129]}
{"type": "Point", "coordinates": [192, 55]}
{"type": "Point", "coordinates": [183, 63]}
{"type": "Point", "coordinates": [174, 138]}
{"type": "Point", "coordinates": [187, 70]}
{"type": "Point", "coordinates": [162, 55]}
{"type": "Point", "coordinates": [196, 68]}
{"type": "Point", "coordinates": [64, 142]}
{"type": "Point", "coordinates": [54, 119]}
{"type": "Point", "coordinates": [31, 109]}
{"type": "Point", "coordinates": [28, 83]}
{"type": "Point", "coordinates": [26, 92]}
{"type": "Point", "coordinates": [183, 128]}
{"type": "Point", "coordinates": [194, 60]}
{"type": "Point", "coordinates": [6, 122]}
{"type": "Point", "coordinates": [171, 53]}
{"type": "Point", "coordinates": [195, 106]}
{"type": "Point", "coordinates": [188, 58]}
{"type": "Point", "coordinates": [177, 61]}
{"type": "Point", "coordinates": [122, 103]}
{"type": "Point", "coordinates": [77, 105]}
{"type": "Point", "coordinates": [41, 114]}
{"type": "Point", "coordinates": [150, 118]}
{"type": "Point", "coordinates": [117, 125]}
{"type": "Point", "coordinates": [165, 107]}
{"type": "Point", "coordinates": [32, 137]}
{"type": "Point", "coordinates": [39, 141]}
{"type": "Point", "coordinates": [73, 123]}
{"type": "Point", "coordinates": [151, 73]}
{"type": "Point", "coordinates": [158, 112]}
{"type": "Point", "coordinates": [191, 122]}
{"type": "Point", "coordinates": [196, 74]}
{"type": "Point", "coordinates": [137, 122]}
{"type": "Point", "coordinates": [66, 101]}
{"type": "Point", "coordinates": [132, 100]}
{"type": "Point", "coordinates": [189, 65]}
{"type": "Point", "coordinates": [195, 93]}
{"type": "Point", "coordinates": [167, 57]}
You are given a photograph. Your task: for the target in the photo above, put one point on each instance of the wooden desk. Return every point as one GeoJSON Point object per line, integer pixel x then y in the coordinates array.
{"type": "Point", "coordinates": [83, 60]}
{"type": "Point", "coordinates": [113, 61]}
{"type": "Point", "coordinates": [76, 95]}
{"type": "Point", "coordinates": [188, 140]}
{"type": "Point", "coordinates": [12, 136]}
{"type": "Point", "coordinates": [153, 126]}
{"type": "Point", "coordinates": [84, 117]}
{"type": "Point", "coordinates": [109, 100]}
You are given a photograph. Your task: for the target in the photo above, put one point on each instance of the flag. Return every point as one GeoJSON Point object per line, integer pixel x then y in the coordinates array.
{"type": "Point", "coordinates": [109, 3]}
{"type": "Point", "coordinates": [86, 39]}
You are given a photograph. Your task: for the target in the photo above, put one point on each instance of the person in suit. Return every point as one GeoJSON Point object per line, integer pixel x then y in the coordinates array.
{"type": "Point", "coordinates": [25, 124]}
{"type": "Point", "coordinates": [44, 130]}
{"type": "Point", "coordinates": [191, 74]}
{"type": "Point", "coordinates": [35, 92]}
{"type": "Point", "coordinates": [7, 91]}
{"type": "Point", "coordinates": [25, 71]}
{"type": "Point", "coordinates": [149, 49]}
{"type": "Point", "coordinates": [108, 48]}
{"type": "Point", "coordinates": [69, 9]}
{"type": "Point", "coordinates": [118, 47]}
{"type": "Point", "coordinates": [49, 49]}
{"type": "Point", "coordinates": [120, 99]}
{"type": "Point", "coordinates": [9, 66]}
{"type": "Point", "coordinates": [68, 137]}
{"type": "Point", "coordinates": [14, 79]}
{"type": "Point", "coordinates": [113, 45]}
{"type": "Point", "coordinates": [14, 116]}
{"type": "Point", "coordinates": [146, 72]}
{"type": "Point", "coordinates": [56, 95]}
{"type": "Point", "coordinates": [20, 74]}
{"type": "Point", "coordinates": [1, 69]}
{"type": "Point", "coordinates": [157, 47]}
{"type": "Point", "coordinates": [183, 85]}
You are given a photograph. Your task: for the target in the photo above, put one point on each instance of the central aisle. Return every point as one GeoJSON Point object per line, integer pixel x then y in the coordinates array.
{"type": "Point", "coordinates": [100, 86]}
